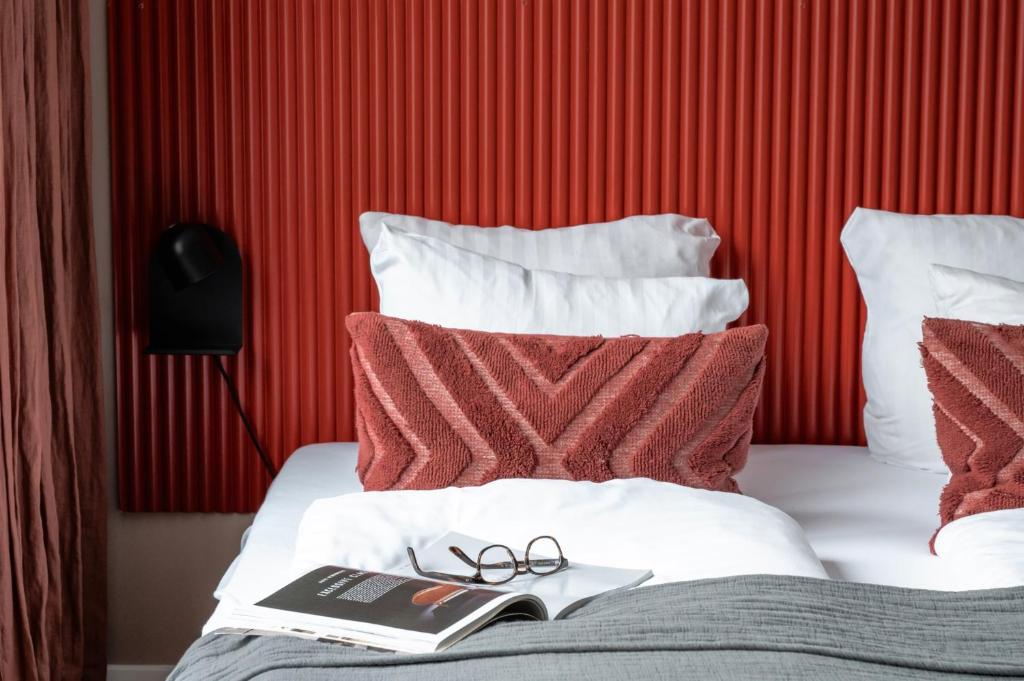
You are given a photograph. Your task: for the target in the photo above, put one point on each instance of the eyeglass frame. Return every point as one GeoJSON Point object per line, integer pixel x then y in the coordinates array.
{"type": "Point", "coordinates": [522, 567]}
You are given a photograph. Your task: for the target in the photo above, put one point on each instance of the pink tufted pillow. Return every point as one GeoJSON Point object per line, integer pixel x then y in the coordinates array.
{"type": "Point", "coordinates": [976, 376]}
{"type": "Point", "coordinates": [439, 407]}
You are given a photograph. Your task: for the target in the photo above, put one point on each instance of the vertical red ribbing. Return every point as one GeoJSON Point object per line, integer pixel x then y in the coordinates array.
{"type": "Point", "coordinates": [929, 103]}
{"type": "Point", "coordinates": [469, 108]}
{"type": "Point", "coordinates": [487, 149]}
{"type": "Point", "coordinates": [834, 214]}
{"type": "Point", "coordinates": [633, 92]}
{"type": "Point", "coordinates": [561, 100]}
{"type": "Point", "coordinates": [814, 239]}
{"type": "Point", "coordinates": [705, 103]}
{"type": "Point", "coordinates": [412, 105]}
{"type": "Point", "coordinates": [720, 149]}
{"type": "Point", "coordinates": [948, 85]}
{"type": "Point", "coordinates": [653, 91]}
{"type": "Point", "coordinates": [754, 149]}
{"type": "Point", "coordinates": [578, 120]}
{"type": "Point", "coordinates": [739, 192]}
{"type": "Point", "coordinates": [542, 82]}
{"type": "Point", "coordinates": [615, 103]}
{"type": "Point", "coordinates": [506, 111]}
{"type": "Point", "coordinates": [966, 107]}
{"type": "Point", "coordinates": [671, 104]}
{"type": "Point", "coordinates": [308, 281]}
{"type": "Point", "coordinates": [1003, 76]}
{"type": "Point", "coordinates": [1016, 101]}
{"type": "Point", "coordinates": [848, 336]}
{"type": "Point", "coordinates": [985, 84]}
{"type": "Point", "coordinates": [522, 56]}
{"type": "Point", "coordinates": [281, 122]}
{"type": "Point", "coordinates": [451, 116]}
{"type": "Point", "coordinates": [291, 205]}
{"type": "Point", "coordinates": [433, 103]}
{"type": "Point", "coordinates": [910, 107]}
{"type": "Point", "coordinates": [689, 117]}
{"type": "Point", "coordinates": [346, 242]}
{"type": "Point", "coordinates": [778, 87]}
{"type": "Point", "coordinates": [236, 179]}
{"type": "Point", "coordinates": [268, 188]}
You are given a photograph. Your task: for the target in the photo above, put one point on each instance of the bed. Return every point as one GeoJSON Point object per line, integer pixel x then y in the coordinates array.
{"type": "Point", "coordinates": [871, 533]}
{"type": "Point", "coordinates": [868, 522]}
{"type": "Point", "coordinates": [614, 409]}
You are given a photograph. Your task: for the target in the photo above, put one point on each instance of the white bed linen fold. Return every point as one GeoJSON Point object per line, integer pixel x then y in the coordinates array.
{"type": "Point", "coordinates": [680, 533]}
{"type": "Point", "coordinates": [312, 472]}
{"type": "Point", "coordinates": [984, 551]}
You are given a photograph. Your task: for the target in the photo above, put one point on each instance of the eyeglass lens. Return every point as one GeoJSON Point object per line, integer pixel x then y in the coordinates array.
{"type": "Point", "coordinates": [543, 555]}
{"type": "Point", "coordinates": [497, 564]}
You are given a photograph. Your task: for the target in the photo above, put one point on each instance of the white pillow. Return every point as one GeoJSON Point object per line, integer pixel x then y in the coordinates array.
{"type": "Point", "coordinates": [985, 550]}
{"type": "Point", "coordinates": [680, 533]}
{"type": "Point", "coordinates": [431, 281]}
{"type": "Point", "coordinates": [638, 246]}
{"type": "Point", "coordinates": [891, 254]}
{"type": "Point", "coordinates": [976, 297]}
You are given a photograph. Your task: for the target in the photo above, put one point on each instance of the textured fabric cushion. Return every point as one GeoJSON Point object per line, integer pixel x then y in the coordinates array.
{"type": "Point", "coordinates": [432, 281]}
{"type": "Point", "coordinates": [638, 246]}
{"type": "Point", "coordinates": [976, 376]}
{"type": "Point", "coordinates": [892, 254]}
{"type": "Point", "coordinates": [977, 297]}
{"type": "Point", "coordinates": [440, 407]}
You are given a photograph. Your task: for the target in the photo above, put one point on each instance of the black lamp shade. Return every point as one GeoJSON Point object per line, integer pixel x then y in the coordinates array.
{"type": "Point", "coordinates": [188, 254]}
{"type": "Point", "coordinates": [195, 290]}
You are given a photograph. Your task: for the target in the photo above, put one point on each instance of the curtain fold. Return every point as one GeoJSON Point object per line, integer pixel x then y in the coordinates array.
{"type": "Point", "coordinates": [52, 466]}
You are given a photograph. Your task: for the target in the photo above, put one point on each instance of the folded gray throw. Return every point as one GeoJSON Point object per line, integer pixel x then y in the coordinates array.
{"type": "Point", "coordinates": [749, 627]}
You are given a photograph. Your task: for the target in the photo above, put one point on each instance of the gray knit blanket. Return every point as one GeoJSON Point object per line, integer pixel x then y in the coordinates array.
{"type": "Point", "coordinates": [749, 627]}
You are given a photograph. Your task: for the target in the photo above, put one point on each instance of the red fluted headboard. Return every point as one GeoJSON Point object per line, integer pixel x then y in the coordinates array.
{"type": "Point", "coordinates": [282, 121]}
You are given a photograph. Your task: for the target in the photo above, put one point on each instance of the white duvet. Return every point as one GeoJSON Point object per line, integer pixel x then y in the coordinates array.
{"type": "Point", "coordinates": [678, 532]}
{"type": "Point", "coordinates": [984, 551]}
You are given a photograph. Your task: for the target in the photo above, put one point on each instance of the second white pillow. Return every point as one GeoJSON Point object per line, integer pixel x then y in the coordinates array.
{"type": "Point", "coordinates": [431, 281]}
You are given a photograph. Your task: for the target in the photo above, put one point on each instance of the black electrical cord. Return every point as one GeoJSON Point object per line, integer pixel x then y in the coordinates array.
{"type": "Point", "coordinates": [267, 463]}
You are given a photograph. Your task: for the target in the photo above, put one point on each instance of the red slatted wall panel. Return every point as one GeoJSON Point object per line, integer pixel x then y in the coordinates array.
{"type": "Point", "coordinates": [282, 121]}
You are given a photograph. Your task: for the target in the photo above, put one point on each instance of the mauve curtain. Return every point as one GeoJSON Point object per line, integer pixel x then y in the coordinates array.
{"type": "Point", "coordinates": [52, 470]}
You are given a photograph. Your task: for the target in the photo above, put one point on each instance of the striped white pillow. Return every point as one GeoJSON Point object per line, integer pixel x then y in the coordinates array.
{"type": "Point", "coordinates": [431, 281]}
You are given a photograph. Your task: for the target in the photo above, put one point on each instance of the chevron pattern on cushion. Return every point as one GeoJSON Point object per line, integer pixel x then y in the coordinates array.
{"type": "Point", "coordinates": [976, 376]}
{"type": "Point", "coordinates": [441, 407]}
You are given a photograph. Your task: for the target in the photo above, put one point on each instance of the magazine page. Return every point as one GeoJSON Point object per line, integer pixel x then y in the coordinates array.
{"type": "Point", "coordinates": [561, 593]}
{"type": "Point", "coordinates": [381, 610]}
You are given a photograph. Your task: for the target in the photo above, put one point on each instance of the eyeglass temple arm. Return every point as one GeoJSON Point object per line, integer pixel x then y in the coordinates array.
{"type": "Point", "coordinates": [412, 558]}
{"type": "Point", "coordinates": [460, 554]}
{"type": "Point", "coordinates": [443, 576]}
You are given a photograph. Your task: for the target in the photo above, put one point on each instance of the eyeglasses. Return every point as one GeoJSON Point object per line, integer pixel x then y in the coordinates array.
{"type": "Point", "coordinates": [496, 564]}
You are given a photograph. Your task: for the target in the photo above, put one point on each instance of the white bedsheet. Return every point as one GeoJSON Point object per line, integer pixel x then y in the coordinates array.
{"type": "Point", "coordinates": [867, 521]}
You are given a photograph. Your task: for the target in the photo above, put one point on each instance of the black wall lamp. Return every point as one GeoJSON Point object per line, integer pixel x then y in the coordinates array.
{"type": "Point", "coordinates": [195, 303]}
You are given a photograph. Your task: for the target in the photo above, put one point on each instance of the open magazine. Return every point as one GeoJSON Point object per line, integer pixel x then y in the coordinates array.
{"type": "Point", "coordinates": [402, 611]}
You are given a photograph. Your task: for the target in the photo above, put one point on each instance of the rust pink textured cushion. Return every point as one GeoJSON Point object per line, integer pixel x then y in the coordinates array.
{"type": "Point", "coordinates": [976, 376]}
{"type": "Point", "coordinates": [439, 407]}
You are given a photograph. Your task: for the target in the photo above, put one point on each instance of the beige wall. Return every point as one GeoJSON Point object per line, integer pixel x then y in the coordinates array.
{"type": "Point", "coordinates": [162, 567]}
